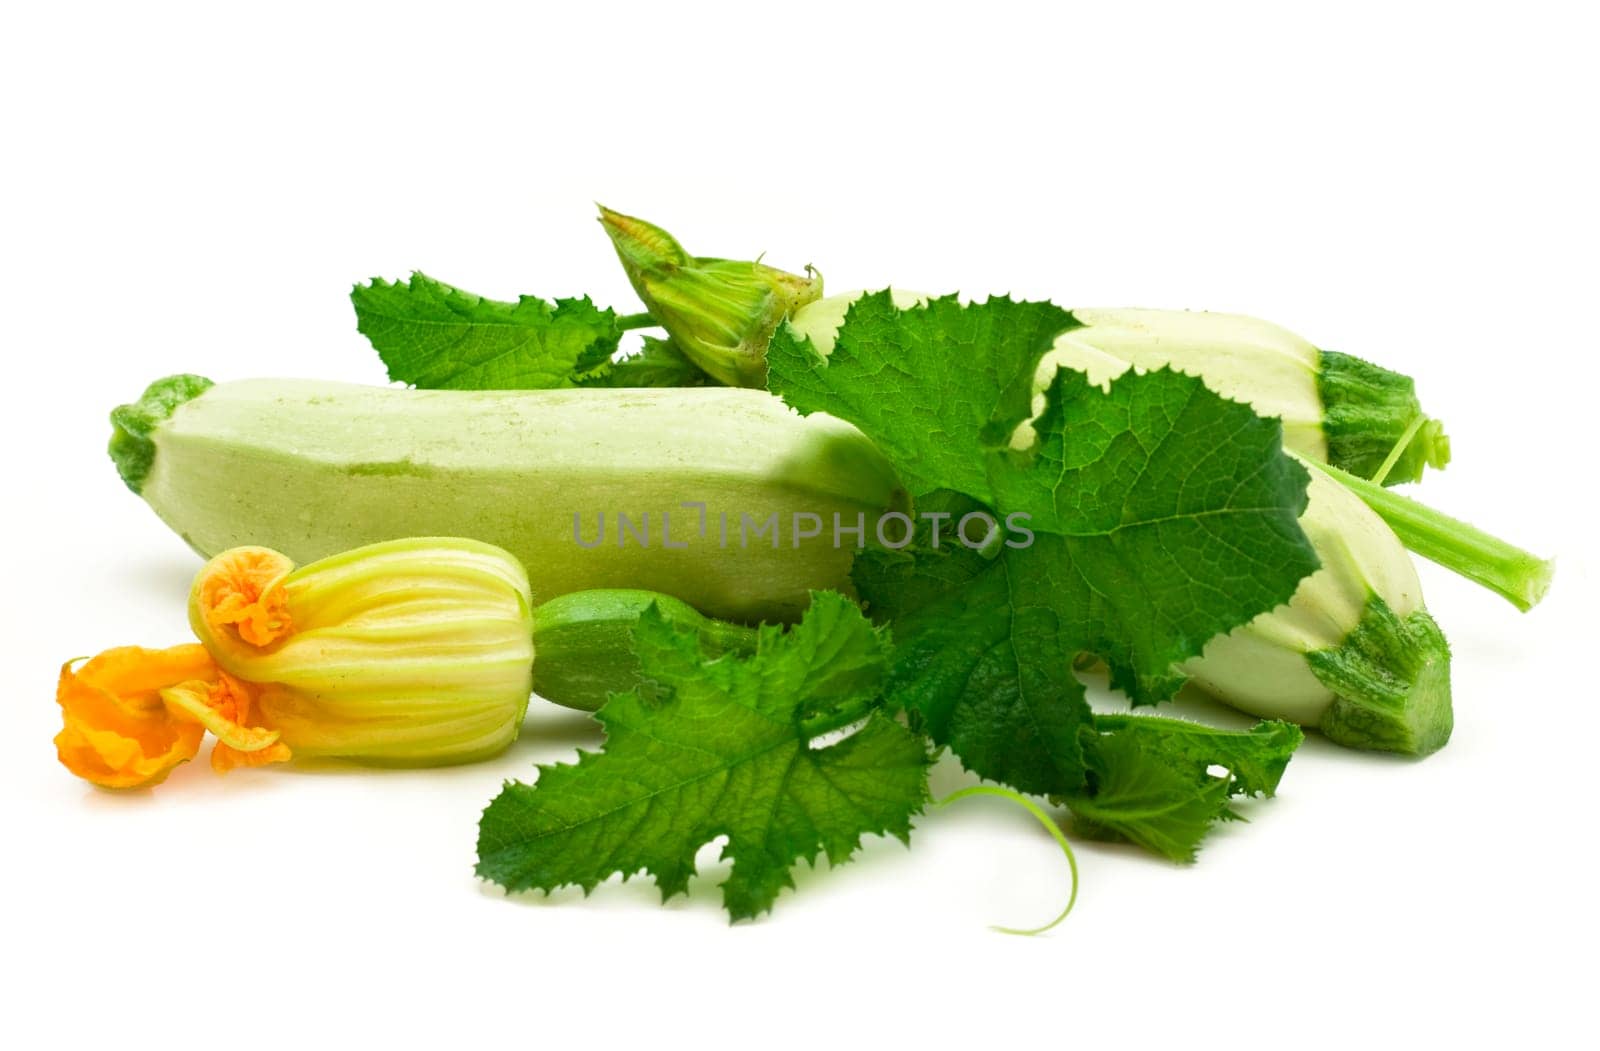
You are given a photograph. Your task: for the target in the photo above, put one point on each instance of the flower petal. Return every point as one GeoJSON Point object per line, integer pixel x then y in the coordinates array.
{"type": "Point", "coordinates": [224, 708]}
{"type": "Point", "coordinates": [225, 757]}
{"type": "Point", "coordinates": [228, 709]}
{"type": "Point", "coordinates": [242, 589]}
{"type": "Point", "coordinates": [115, 730]}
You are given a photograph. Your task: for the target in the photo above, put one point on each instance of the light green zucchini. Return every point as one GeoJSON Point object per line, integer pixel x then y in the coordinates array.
{"type": "Point", "coordinates": [311, 468]}
{"type": "Point", "coordinates": [1354, 653]}
{"type": "Point", "coordinates": [1336, 408]}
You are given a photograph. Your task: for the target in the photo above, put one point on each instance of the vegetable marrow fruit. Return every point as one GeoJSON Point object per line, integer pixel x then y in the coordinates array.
{"type": "Point", "coordinates": [1336, 408]}
{"type": "Point", "coordinates": [589, 488]}
{"type": "Point", "coordinates": [584, 642]}
{"type": "Point", "coordinates": [1353, 653]}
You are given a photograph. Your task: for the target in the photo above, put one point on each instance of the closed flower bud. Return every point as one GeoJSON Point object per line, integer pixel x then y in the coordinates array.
{"type": "Point", "coordinates": [410, 652]}
{"type": "Point", "coordinates": [720, 312]}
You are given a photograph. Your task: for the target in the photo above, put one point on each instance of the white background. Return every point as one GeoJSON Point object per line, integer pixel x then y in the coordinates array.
{"type": "Point", "coordinates": [196, 189]}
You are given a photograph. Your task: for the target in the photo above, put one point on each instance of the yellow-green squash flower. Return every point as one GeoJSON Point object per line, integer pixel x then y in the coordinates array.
{"type": "Point", "coordinates": [720, 312]}
{"type": "Point", "coordinates": [412, 652]}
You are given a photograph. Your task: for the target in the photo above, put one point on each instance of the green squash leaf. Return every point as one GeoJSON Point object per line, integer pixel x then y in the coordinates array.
{"type": "Point", "coordinates": [1254, 759]}
{"type": "Point", "coordinates": [1161, 516]}
{"type": "Point", "coordinates": [434, 336]}
{"type": "Point", "coordinates": [721, 747]}
{"type": "Point", "coordinates": [934, 387]}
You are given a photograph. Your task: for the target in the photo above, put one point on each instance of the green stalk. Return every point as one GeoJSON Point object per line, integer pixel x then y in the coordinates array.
{"type": "Point", "coordinates": [629, 322]}
{"type": "Point", "coordinates": [1400, 446]}
{"type": "Point", "coordinates": [1518, 576]}
{"type": "Point", "coordinates": [1390, 679]}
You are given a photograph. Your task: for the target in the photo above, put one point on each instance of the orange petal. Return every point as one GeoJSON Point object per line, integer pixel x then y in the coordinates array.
{"type": "Point", "coordinates": [242, 589]}
{"type": "Point", "coordinates": [137, 675]}
{"type": "Point", "coordinates": [115, 730]}
{"type": "Point", "coordinates": [223, 707]}
{"type": "Point", "coordinates": [225, 757]}
{"type": "Point", "coordinates": [228, 709]}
